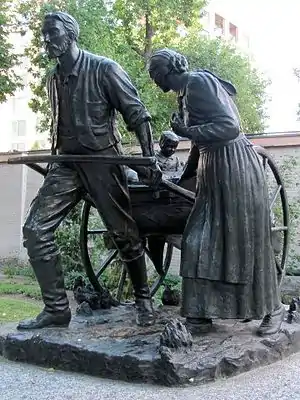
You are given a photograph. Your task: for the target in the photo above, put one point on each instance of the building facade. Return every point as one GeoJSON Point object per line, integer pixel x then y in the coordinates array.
{"type": "Point", "coordinates": [220, 21]}
{"type": "Point", "coordinates": [18, 121]}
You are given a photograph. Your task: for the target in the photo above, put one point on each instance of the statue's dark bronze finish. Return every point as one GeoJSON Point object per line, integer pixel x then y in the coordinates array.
{"type": "Point", "coordinates": [227, 260]}
{"type": "Point", "coordinates": [65, 158]}
{"type": "Point", "coordinates": [135, 162]}
{"type": "Point", "coordinates": [85, 92]}
{"type": "Point", "coordinates": [168, 162]}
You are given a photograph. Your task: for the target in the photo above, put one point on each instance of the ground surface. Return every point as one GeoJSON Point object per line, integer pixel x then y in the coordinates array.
{"type": "Point", "coordinates": [279, 381]}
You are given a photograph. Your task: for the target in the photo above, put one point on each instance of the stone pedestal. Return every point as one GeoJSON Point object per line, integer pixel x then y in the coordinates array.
{"type": "Point", "coordinates": [108, 344]}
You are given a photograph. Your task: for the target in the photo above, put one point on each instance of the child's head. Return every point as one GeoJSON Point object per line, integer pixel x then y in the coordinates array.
{"type": "Point", "coordinates": [168, 143]}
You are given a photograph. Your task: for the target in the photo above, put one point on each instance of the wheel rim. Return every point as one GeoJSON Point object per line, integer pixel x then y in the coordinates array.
{"type": "Point", "coordinates": [279, 211]}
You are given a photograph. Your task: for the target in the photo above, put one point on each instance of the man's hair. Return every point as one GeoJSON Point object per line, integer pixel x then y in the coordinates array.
{"type": "Point", "coordinates": [69, 22]}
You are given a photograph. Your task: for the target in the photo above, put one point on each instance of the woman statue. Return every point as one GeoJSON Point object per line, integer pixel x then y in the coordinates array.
{"type": "Point", "coordinates": [227, 260]}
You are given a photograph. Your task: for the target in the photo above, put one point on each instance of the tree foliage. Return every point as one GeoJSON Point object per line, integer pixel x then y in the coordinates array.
{"type": "Point", "coordinates": [297, 74]}
{"type": "Point", "coordinates": [9, 60]}
{"type": "Point", "coordinates": [148, 24]}
{"type": "Point", "coordinates": [128, 32]}
{"type": "Point", "coordinates": [224, 60]}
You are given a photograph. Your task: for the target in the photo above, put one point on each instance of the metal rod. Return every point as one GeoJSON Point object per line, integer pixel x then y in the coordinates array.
{"type": "Point", "coordinates": [38, 168]}
{"type": "Point", "coordinates": [120, 160]}
{"type": "Point", "coordinates": [49, 159]}
{"type": "Point", "coordinates": [172, 187]}
{"type": "Point", "coordinates": [96, 231]}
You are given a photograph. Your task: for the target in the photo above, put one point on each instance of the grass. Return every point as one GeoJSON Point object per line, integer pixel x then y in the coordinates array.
{"type": "Point", "coordinates": [12, 310]}
{"type": "Point", "coordinates": [19, 294]}
{"type": "Point", "coordinates": [12, 269]}
{"type": "Point", "coordinates": [28, 289]}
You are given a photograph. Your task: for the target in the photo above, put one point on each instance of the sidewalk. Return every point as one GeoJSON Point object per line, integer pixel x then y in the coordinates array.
{"type": "Point", "coordinates": [278, 381]}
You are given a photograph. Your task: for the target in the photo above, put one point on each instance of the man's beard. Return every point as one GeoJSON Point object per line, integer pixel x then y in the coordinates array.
{"type": "Point", "coordinates": [55, 51]}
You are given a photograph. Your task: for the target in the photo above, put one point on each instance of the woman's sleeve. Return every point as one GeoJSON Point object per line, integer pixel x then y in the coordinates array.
{"type": "Point", "coordinates": [203, 92]}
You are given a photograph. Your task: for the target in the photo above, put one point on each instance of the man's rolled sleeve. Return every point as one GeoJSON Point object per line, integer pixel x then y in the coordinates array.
{"type": "Point", "coordinates": [124, 97]}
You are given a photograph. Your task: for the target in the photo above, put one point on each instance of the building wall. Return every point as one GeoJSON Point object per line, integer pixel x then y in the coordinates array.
{"type": "Point", "coordinates": [10, 210]}
{"type": "Point", "coordinates": [18, 121]}
{"type": "Point", "coordinates": [219, 20]}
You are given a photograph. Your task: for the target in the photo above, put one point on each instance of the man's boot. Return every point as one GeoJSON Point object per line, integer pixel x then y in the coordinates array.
{"type": "Point", "coordinates": [137, 271]}
{"type": "Point", "coordinates": [51, 280]}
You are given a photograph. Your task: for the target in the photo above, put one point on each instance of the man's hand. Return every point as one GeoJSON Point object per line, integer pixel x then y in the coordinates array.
{"type": "Point", "coordinates": [150, 176]}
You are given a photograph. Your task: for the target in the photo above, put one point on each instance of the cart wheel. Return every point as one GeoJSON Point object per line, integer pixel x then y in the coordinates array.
{"type": "Point", "coordinates": [279, 211]}
{"type": "Point", "coordinates": [99, 256]}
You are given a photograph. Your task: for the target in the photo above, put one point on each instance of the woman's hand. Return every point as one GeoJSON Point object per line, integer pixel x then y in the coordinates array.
{"type": "Point", "coordinates": [177, 124]}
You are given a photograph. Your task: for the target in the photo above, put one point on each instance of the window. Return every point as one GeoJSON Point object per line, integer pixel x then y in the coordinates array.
{"type": "Point", "coordinates": [19, 105]}
{"type": "Point", "coordinates": [18, 146]}
{"type": "Point", "coordinates": [19, 128]}
{"type": "Point", "coordinates": [219, 25]}
{"type": "Point", "coordinates": [233, 32]}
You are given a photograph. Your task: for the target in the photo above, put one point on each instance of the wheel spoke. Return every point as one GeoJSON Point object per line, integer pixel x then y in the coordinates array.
{"type": "Point", "coordinates": [278, 267]}
{"type": "Point", "coordinates": [96, 231]}
{"type": "Point", "coordinates": [121, 284]}
{"type": "Point", "coordinates": [277, 192]}
{"type": "Point", "coordinates": [265, 162]}
{"type": "Point", "coordinates": [95, 274]}
{"type": "Point", "coordinates": [160, 269]}
{"type": "Point", "coordinates": [148, 253]}
{"type": "Point", "coordinates": [279, 228]}
{"type": "Point", "coordinates": [274, 197]}
{"type": "Point", "coordinates": [111, 255]}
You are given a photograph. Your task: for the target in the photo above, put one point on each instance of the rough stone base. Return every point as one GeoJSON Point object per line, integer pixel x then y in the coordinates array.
{"type": "Point", "coordinates": [110, 345]}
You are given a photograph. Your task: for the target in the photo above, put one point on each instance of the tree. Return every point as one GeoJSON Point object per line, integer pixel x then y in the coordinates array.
{"type": "Point", "coordinates": [103, 32]}
{"type": "Point", "coordinates": [148, 24]}
{"type": "Point", "coordinates": [224, 60]}
{"type": "Point", "coordinates": [9, 80]}
{"type": "Point", "coordinates": [89, 15]}
{"type": "Point", "coordinates": [128, 32]}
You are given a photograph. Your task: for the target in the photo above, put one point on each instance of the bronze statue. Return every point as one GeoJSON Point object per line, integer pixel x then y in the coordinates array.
{"type": "Point", "coordinates": [169, 164]}
{"type": "Point", "coordinates": [85, 91]}
{"type": "Point", "coordinates": [227, 260]}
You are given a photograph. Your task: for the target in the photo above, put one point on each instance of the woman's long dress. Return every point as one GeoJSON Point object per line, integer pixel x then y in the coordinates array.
{"type": "Point", "coordinates": [227, 261]}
